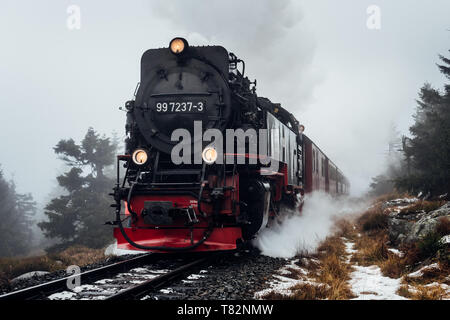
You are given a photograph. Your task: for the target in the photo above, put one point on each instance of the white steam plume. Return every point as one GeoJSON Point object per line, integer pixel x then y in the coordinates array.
{"type": "Point", "coordinates": [271, 36]}
{"type": "Point", "coordinates": [299, 233]}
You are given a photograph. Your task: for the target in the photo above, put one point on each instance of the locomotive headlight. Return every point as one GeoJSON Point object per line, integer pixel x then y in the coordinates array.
{"type": "Point", "coordinates": [209, 155]}
{"type": "Point", "coordinates": [140, 156]}
{"type": "Point", "coordinates": [178, 45]}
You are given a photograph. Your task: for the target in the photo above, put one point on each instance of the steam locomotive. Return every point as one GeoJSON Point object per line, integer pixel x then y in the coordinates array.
{"type": "Point", "coordinates": [193, 194]}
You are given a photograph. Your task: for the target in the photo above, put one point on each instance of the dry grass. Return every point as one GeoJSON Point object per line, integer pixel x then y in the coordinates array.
{"type": "Point", "coordinates": [81, 256]}
{"type": "Point", "coordinates": [419, 288]}
{"type": "Point", "coordinates": [334, 272]}
{"type": "Point", "coordinates": [404, 291]}
{"type": "Point", "coordinates": [330, 272]}
{"type": "Point", "coordinates": [310, 292]}
{"type": "Point", "coordinates": [430, 275]}
{"type": "Point", "coordinates": [373, 219]}
{"type": "Point", "coordinates": [443, 227]}
{"type": "Point", "coordinates": [421, 292]}
{"type": "Point", "coordinates": [394, 266]}
{"type": "Point", "coordinates": [370, 236]}
{"type": "Point", "coordinates": [372, 249]}
{"type": "Point", "coordinates": [346, 229]}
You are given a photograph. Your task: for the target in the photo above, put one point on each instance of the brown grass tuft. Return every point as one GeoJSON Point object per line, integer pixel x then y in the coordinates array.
{"type": "Point", "coordinates": [394, 266]}
{"type": "Point", "coordinates": [429, 293]}
{"type": "Point", "coordinates": [334, 271]}
{"type": "Point", "coordinates": [371, 250]}
{"type": "Point", "coordinates": [373, 219]}
{"type": "Point", "coordinates": [346, 229]}
{"type": "Point", "coordinates": [403, 291]}
{"type": "Point", "coordinates": [443, 226]}
{"type": "Point", "coordinates": [81, 256]}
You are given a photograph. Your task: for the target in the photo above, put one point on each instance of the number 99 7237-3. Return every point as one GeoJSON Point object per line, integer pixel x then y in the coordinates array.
{"type": "Point", "coordinates": [175, 107]}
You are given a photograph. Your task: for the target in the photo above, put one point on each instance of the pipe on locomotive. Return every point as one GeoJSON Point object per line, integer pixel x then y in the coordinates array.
{"type": "Point", "coordinates": [205, 236]}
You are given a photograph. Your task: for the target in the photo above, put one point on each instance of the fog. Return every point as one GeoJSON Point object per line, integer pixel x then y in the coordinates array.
{"type": "Point", "coordinates": [346, 83]}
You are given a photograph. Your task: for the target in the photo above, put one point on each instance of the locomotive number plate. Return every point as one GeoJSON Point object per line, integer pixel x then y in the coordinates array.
{"type": "Point", "coordinates": [180, 107]}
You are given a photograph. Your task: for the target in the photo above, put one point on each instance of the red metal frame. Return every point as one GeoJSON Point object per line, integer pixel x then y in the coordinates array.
{"type": "Point", "coordinates": [179, 235]}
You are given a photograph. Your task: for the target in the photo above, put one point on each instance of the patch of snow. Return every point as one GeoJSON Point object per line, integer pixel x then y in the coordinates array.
{"type": "Point", "coordinates": [187, 281]}
{"type": "Point", "coordinates": [349, 250]}
{"type": "Point", "coordinates": [137, 281]}
{"type": "Point", "coordinates": [293, 265]}
{"type": "Point", "coordinates": [104, 281]}
{"type": "Point", "coordinates": [195, 276]}
{"type": "Point", "coordinates": [112, 250]}
{"type": "Point", "coordinates": [403, 200]}
{"type": "Point", "coordinates": [282, 284]}
{"type": "Point", "coordinates": [203, 271]}
{"type": "Point", "coordinates": [444, 286]}
{"type": "Point", "coordinates": [65, 295]}
{"type": "Point", "coordinates": [160, 271]}
{"type": "Point", "coordinates": [86, 287]}
{"type": "Point", "coordinates": [396, 252]}
{"type": "Point", "coordinates": [29, 275]}
{"type": "Point", "coordinates": [445, 239]}
{"type": "Point", "coordinates": [140, 270]}
{"type": "Point", "coordinates": [368, 283]}
{"type": "Point", "coordinates": [166, 291]}
{"type": "Point", "coordinates": [419, 272]}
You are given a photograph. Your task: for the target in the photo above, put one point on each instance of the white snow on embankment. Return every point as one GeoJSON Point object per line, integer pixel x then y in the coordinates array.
{"type": "Point", "coordinates": [368, 283]}
{"type": "Point", "coordinates": [283, 284]}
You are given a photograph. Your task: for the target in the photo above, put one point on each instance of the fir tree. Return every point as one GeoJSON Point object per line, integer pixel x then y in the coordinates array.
{"type": "Point", "coordinates": [428, 151]}
{"type": "Point", "coordinates": [16, 214]}
{"type": "Point", "coordinates": [78, 216]}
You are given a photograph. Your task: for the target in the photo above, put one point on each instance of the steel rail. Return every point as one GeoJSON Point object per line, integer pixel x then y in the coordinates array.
{"type": "Point", "coordinates": [140, 290]}
{"type": "Point", "coordinates": [41, 291]}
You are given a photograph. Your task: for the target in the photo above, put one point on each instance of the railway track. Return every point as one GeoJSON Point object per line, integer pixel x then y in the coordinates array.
{"type": "Point", "coordinates": [129, 279]}
{"type": "Point", "coordinates": [164, 280]}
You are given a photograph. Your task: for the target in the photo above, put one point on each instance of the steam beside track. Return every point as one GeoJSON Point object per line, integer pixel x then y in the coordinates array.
{"type": "Point", "coordinates": [299, 233]}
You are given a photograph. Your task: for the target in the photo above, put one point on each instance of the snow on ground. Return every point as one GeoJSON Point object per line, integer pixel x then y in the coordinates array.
{"type": "Point", "coordinates": [166, 291]}
{"type": "Point", "coordinates": [112, 250]}
{"type": "Point", "coordinates": [281, 284]}
{"type": "Point", "coordinates": [445, 239]}
{"type": "Point", "coordinates": [419, 273]}
{"type": "Point", "coordinates": [401, 201]}
{"type": "Point", "coordinates": [29, 275]}
{"type": "Point", "coordinates": [65, 295]}
{"type": "Point", "coordinates": [396, 252]}
{"type": "Point", "coordinates": [368, 283]}
{"type": "Point", "coordinates": [195, 276]}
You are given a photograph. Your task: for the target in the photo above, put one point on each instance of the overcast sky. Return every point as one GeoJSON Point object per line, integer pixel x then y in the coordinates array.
{"type": "Point", "coordinates": [346, 83]}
